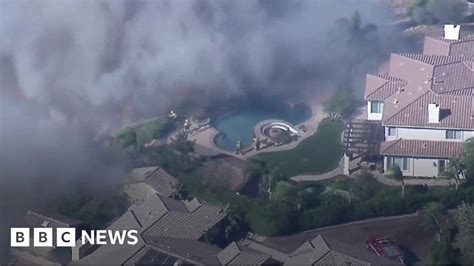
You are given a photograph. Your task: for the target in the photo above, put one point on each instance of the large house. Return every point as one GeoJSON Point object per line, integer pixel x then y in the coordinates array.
{"type": "Point", "coordinates": [45, 255]}
{"type": "Point", "coordinates": [168, 228]}
{"type": "Point", "coordinates": [425, 104]}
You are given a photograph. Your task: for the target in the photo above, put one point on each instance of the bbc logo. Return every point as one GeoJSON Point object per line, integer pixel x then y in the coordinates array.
{"type": "Point", "coordinates": [42, 237]}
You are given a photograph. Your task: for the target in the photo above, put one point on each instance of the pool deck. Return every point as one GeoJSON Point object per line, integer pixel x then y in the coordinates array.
{"type": "Point", "coordinates": [205, 145]}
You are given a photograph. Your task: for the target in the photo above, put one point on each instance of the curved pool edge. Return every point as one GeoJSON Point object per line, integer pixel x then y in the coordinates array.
{"type": "Point", "coordinates": [311, 124]}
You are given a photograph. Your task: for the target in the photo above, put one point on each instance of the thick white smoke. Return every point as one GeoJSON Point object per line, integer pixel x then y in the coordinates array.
{"type": "Point", "coordinates": [123, 59]}
{"type": "Point", "coordinates": [70, 69]}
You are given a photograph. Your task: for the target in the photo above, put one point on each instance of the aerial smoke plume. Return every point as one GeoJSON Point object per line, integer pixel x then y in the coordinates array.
{"type": "Point", "coordinates": [118, 60]}
{"type": "Point", "coordinates": [70, 70]}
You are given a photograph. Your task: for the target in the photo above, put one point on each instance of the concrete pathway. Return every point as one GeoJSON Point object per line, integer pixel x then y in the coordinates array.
{"type": "Point", "coordinates": [380, 177]}
{"type": "Point", "coordinates": [328, 175]}
{"type": "Point", "coordinates": [411, 182]}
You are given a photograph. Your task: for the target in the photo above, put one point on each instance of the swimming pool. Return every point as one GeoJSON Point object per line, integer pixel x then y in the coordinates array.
{"type": "Point", "coordinates": [240, 125]}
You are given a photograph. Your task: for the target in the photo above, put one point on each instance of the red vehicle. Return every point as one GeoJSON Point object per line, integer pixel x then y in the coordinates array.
{"type": "Point", "coordinates": [385, 247]}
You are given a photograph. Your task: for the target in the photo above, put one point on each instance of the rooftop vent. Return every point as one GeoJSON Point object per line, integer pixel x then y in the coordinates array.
{"type": "Point", "coordinates": [451, 32]}
{"type": "Point", "coordinates": [433, 113]}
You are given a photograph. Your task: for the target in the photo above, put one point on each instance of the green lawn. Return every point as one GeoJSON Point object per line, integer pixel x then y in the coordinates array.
{"type": "Point", "coordinates": [317, 154]}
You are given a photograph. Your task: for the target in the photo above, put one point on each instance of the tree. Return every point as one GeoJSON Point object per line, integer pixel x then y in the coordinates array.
{"type": "Point", "coordinates": [464, 219]}
{"type": "Point", "coordinates": [235, 224]}
{"type": "Point", "coordinates": [442, 252]}
{"type": "Point", "coordinates": [155, 129]}
{"type": "Point", "coordinates": [127, 140]}
{"type": "Point", "coordinates": [354, 29]}
{"type": "Point", "coordinates": [341, 104]}
{"type": "Point", "coordinates": [285, 192]}
{"type": "Point", "coordinates": [256, 168]}
{"type": "Point", "coordinates": [355, 48]}
{"type": "Point", "coordinates": [433, 215]}
{"type": "Point", "coordinates": [179, 191]}
{"type": "Point", "coordinates": [468, 157]}
{"type": "Point", "coordinates": [437, 11]}
{"type": "Point", "coordinates": [464, 165]}
{"type": "Point", "coordinates": [271, 218]}
{"type": "Point", "coordinates": [396, 173]}
{"type": "Point", "coordinates": [452, 169]}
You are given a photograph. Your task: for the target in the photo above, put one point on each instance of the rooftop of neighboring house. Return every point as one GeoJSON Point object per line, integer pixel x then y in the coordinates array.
{"type": "Point", "coordinates": [416, 80]}
{"type": "Point", "coordinates": [157, 178]}
{"type": "Point", "coordinates": [350, 240]}
{"type": "Point", "coordinates": [167, 251]}
{"type": "Point", "coordinates": [160, 218]}
{"type": "Point", "coordinates": [48, 219]}
{"type": "Point", "coordinates": [322, 250]}
{"type": "Point", "coordinates": [237, 254]}
{"type": "Point", "coordinates": [186, 219]}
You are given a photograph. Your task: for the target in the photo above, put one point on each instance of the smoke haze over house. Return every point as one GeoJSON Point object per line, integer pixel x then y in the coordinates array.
{"type": "Point", "coordinates": [72, 69]}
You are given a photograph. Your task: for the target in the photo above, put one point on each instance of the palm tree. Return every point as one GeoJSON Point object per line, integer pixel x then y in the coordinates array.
{"type": "Point", "coordinates": [354, 29]}
{"type": "Point", "coordinates": [257, 168]}
{"type": "Point", "coordinates": [434, 214]}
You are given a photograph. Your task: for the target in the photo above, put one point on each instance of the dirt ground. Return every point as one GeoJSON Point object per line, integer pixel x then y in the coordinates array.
{"type": "Point", "coordinates": [224, 173]}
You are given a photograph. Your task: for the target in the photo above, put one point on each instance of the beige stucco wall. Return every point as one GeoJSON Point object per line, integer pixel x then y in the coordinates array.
{"type": "Point", "coordinates": [372, 116]}
{"type": "Point", "coordinates": [426, 167]}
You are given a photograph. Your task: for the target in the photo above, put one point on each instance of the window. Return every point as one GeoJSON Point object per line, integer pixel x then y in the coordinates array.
{"type": "Point", "coordinates": [453, 134]}
{"type": "Point", "coordinates": [376, 107]}
{"type": "Point", "coordinates": [392, 131]}
{"type": "Point", "coordinates": [402, 162]}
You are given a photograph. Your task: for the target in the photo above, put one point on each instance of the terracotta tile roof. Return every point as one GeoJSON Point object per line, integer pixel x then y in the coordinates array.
{"type": "Point", "coordinates": [452, 77]}
{"type": "Point", "coordinates": [399, 101]}
{"type": "Point", "coordinates": [422, 148]}
{"type": "Point", "coordinates": [467, 38]}
{"type": "Point", "coordinates": [465, 48]}
{"type": "Point", "coordinates": [444, 80]}
{"type": "Point", "coordinates": [457, 112]}
{"type": "Point", "coordinates": [435, 60]}
{"type": "Point", "coordinates": [463, 92]}
{"type": "Point", "coordinates": [380, 87]}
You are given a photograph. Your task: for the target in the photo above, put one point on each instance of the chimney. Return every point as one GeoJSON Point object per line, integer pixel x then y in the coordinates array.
{"type": "Point", "coordinates": [433, 113]}
{"type": "Point", "coordinates": [81, 250]}
{"type": "Point", "coordinates": [451, 32]}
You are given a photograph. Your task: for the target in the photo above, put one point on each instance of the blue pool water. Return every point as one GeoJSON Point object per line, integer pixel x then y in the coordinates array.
{"type": "Point", "coordinates": [239, 126]}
